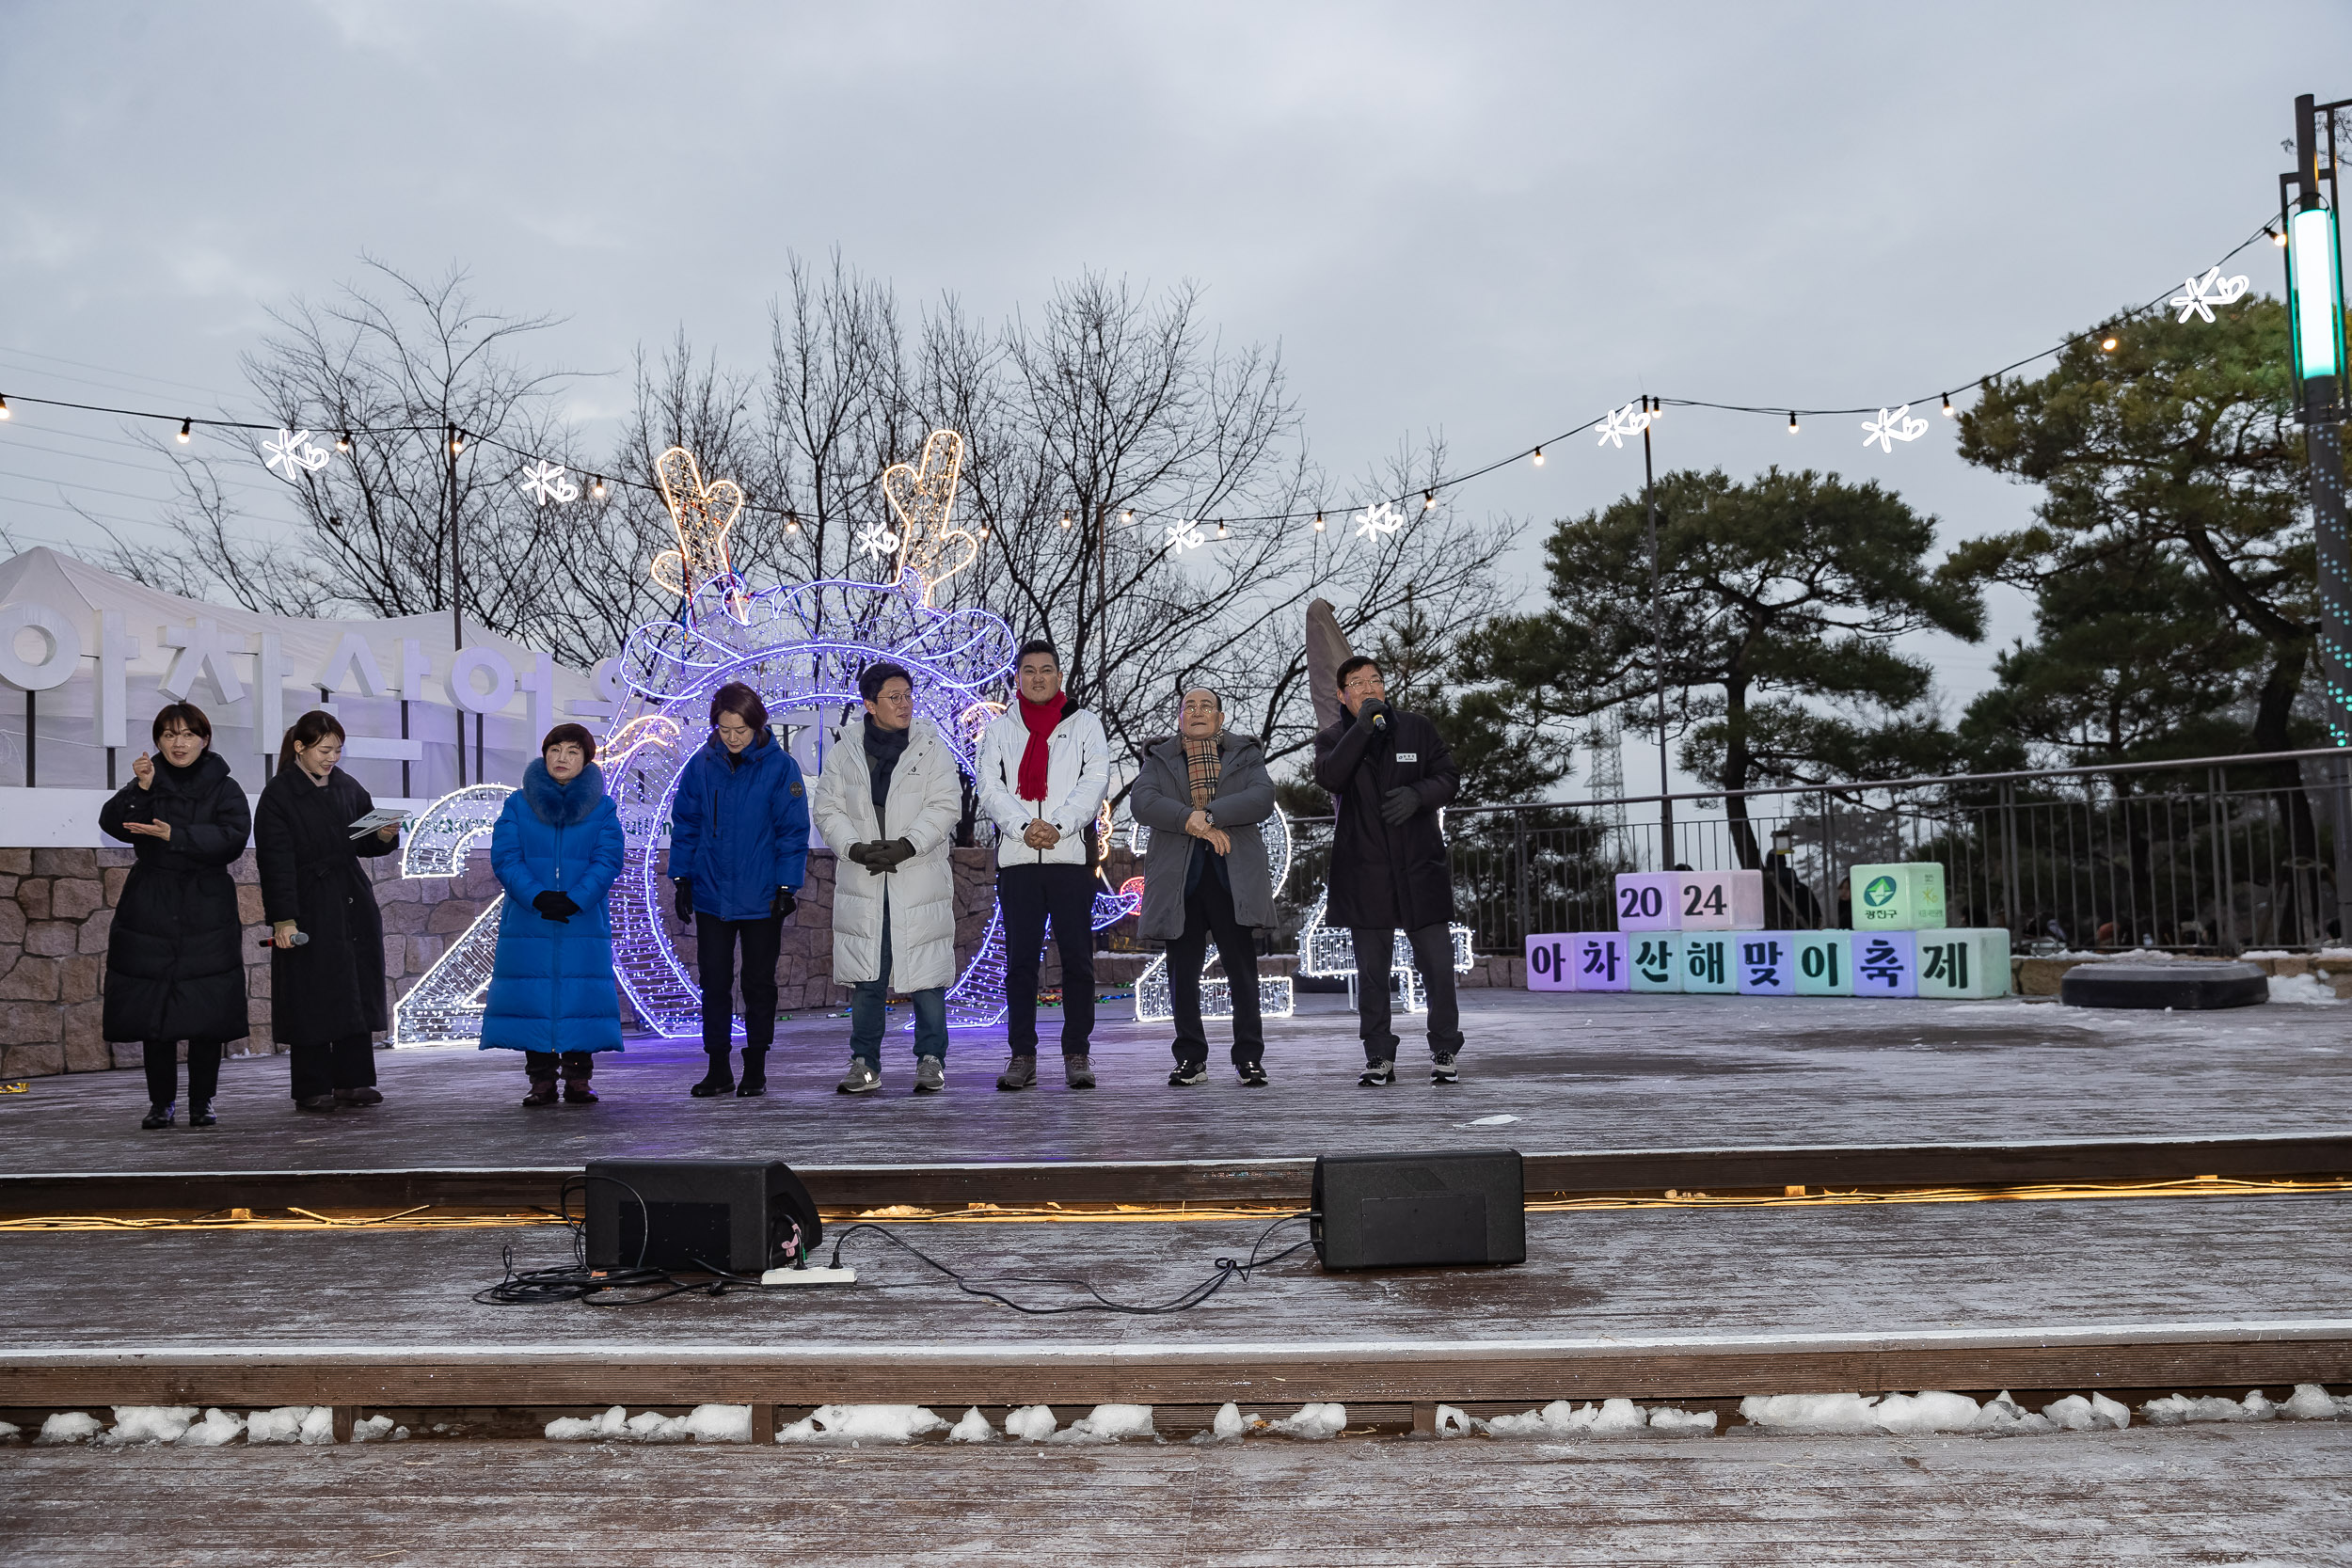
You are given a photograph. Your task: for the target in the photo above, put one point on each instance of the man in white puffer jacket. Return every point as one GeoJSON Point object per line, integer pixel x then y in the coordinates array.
{"type": "Point", "coordinates": [1044, 768]}
{"type": "Point", "coordinates": [887, 802]}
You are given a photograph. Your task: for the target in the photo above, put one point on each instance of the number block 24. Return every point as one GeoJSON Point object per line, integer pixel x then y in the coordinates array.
{"type": "Point", "coordinates": [1689, 900]}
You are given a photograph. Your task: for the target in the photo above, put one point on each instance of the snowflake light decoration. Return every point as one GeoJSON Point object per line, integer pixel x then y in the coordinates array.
{"type": "Point", "coordinates": [2207, 292]}
{"type": "Point", "coordinates": [293, 451]}
{"type": "Point", "coordinates": [877, 540]}
{"type": "Point", "coordinates": [1185, 534]}
{"type": "Point", "coordinates": [1376, 522]}
{"type": "Point", "coordinates": [1621, 422]}
{"type": "Point", "coordinates": [546, 480]}
{"type": "Point", "coordinates": [1887, 429]}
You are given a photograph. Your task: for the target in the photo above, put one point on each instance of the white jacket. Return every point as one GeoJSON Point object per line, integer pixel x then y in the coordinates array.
{"type": "Point", "coordinates": [1078, 776]}
{"type": "Point", "coordinates": [926, 800]}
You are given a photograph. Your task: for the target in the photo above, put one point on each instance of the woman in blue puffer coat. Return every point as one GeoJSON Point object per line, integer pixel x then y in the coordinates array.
{"type": "Point", "coordinates": [557, 850]}
{"type": "Point", "coordinates": [739, 849]}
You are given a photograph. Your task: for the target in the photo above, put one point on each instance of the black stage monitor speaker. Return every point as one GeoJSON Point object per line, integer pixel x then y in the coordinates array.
{"type": "Point", "coordinates": [740, 1216]}
{"type": "Point", "coordinates": [1402, 1210]}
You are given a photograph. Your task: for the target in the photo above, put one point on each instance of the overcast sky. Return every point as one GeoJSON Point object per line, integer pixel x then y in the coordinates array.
{"type": "Point", "coordinates": [1487, 221]}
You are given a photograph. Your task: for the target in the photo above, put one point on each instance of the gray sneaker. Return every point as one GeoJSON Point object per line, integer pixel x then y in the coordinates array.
{"type": "Point", "coordinates": [861, 1078]}
{"type": "Point", "coordinates": [1377, 1074]}
{"type": "Point", "coordinates": [1020, 1073]}
{"type": "Point", "coordinates": [1188, 1074]}
{"type": "Point", "coordinates": [1076, 1071]}
{"type": "Point", "coordinates": [931, 1075]}
{"type": "Point", "coordinates": [1442, 1070]}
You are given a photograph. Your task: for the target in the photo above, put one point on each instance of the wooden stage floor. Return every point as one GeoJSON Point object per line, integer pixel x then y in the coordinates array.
{"type": "Point", "coordinates": [2269, 1495]}
{"type": "Point", "coordinates": [1577, 1072]}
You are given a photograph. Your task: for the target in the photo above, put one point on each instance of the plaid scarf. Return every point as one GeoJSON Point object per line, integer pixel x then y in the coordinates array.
{"type": "Point", "coordinates": [1202, 768]}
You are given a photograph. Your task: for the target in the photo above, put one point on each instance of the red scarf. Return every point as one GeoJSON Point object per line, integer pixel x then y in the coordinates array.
{"type": "Point", "coordinates": [1041, 717]}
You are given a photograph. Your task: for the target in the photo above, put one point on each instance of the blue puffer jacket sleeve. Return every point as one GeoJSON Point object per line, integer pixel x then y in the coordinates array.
{"type": "Point", "coordinates": [790, 805]}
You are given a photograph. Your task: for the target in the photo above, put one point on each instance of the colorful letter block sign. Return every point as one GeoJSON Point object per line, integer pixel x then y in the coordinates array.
{"type": "Point", "coordinates": [1654, 961]}
{"type": "Point", "coordinates": [1825, 963]}
{"type": "Point", "coordinates": [1962, 962]}
{"type": "Point", "coordinates": [1720, 900]}
{"type": "Point", "coordinates": [1599, 961]}
{"type": "Point", "coordinates": [1549, 962]}
{"type": "Point", "coordinates": [1765, 963]}
{"type": "Point", "coordinates": [1908, 897]}
{"type": "Point", "coordinates": [1648, 901]}
{"type": "Point", "coordinates": [1886, 963]}
{"type": "Point", "coordinates": [1708, 959]}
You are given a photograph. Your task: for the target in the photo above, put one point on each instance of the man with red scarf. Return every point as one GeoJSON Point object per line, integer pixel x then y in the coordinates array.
{"type": "Point", "coordinates": [1044, 770]}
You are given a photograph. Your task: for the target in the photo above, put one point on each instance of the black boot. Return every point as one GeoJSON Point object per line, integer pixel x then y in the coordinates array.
{"type": "Point", "coordinates": [158, 1115]}
{"type": "Point", "coordinates": [755, 1075]}
{"type": "Point", "coordinates": [200, 1114]}
{"type": "Point", "coordinates": [718, 1080]}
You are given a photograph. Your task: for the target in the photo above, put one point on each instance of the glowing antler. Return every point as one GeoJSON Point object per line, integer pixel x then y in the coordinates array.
{"type": "Point", "coordinates": [923, 496]}
{"type": "Point", "coordinates": [700, 515]}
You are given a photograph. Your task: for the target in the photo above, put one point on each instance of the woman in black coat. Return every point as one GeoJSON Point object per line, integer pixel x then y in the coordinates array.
{"type": "Point", "coordinates": [326, 993]}
{"type": "Point", "coordinates": [173, 969]}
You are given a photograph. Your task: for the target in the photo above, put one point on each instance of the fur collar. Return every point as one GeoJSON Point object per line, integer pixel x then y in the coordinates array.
{"type": "Point", "coordinates": [562, 806]}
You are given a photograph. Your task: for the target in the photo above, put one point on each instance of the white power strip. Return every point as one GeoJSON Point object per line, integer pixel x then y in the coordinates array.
{"type": "Point", "coordinates": [809, 1277]}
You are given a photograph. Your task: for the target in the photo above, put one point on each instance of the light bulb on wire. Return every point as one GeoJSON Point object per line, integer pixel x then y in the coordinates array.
{"type": "Point", "coordinates": [1947, 405]}
{"type": "Point", "coordinates": [1128, 516]}
{"type": "Point", "coordinates": [187, 431]}
{"type": "Point", "coordinates": [2106, 344]}
{"type": "Point", "coordinates": [1792, 422]}
{"type": "Point", "coordinates": [1065, 517]}
{"type": "Point", "coordinates": [1318, 522]}
{"type": "Point", "coordinates": [1540, 457]}
{"type": "Point", "coordinates": [2278, 236]}
{"type": "Point", "coordinates": [1220, 528]}
{"type": "Point", "coordinates": [4, 408]}
{"type": "Point", "coordinates": [595, 492]}
{"type": "Point", "coordinates": [1428, 500]}
{"type": "Point", "coordinates": [343, 443]}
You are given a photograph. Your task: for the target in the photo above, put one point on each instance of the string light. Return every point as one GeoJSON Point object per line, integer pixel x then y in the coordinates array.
{"type": "Point", "coordinates": [1318, 522]}
{"type": "Point", "coordinates": [343, 443]}
{"type": "Point", "coordinates": [1792, 422]}
{"type": "Point", "coordinates": [1540, 457]}
{"type": "Point", "coordinates": [1947, 405]}
{"type": "Point", "coordinates": [1220, 528]}
{"type": "Point", "coordinates": [791, 519]}
{"type": "Point", "coordinates": [4, 408]}
{"type": "Point", "coordinates": [1156, 1004]}
{"type": "Point", "coordinates": [596, 487]}
{"type": "Point", "coordinates": [187, 431]}
{"type": "Point", "coordinates": [1428, 500]}
{"type": "Point", "coordinates": [2278, 236]}
{"type": "Point", "coordinates": [1128, 516]}
{"type": "Point", "coordinates": [456, 442]}
{"type": "Point", "coordinates": [1065, 519]}
{"type": "Point", "coordinates": [2107, 344]}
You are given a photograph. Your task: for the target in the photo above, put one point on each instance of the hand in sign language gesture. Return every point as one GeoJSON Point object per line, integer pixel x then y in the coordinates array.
{"type": "Point", "coordinates": [143, 769]}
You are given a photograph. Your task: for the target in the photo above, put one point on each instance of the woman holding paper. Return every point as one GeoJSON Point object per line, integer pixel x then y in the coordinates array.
{"type": "Point", "coordinates": [326, 970]}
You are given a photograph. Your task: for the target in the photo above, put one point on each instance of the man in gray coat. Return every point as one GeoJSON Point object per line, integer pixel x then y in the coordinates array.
{"type": "Point", "coordinates": [1202, 793]}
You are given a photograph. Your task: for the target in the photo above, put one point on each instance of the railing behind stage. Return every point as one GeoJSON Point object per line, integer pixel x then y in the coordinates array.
{"type": "Point", "coordinates": [2215, 855]}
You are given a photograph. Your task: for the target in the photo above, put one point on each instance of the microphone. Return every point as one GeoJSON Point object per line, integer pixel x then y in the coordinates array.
{"type": "Point", "coordinates": [1380, 721]}
{"type": "Point", "coordinates": [300, 939]}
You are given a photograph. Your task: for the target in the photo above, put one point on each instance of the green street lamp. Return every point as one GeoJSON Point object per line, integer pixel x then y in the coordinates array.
{"type": "Point", "coordinates": [2315, 291]}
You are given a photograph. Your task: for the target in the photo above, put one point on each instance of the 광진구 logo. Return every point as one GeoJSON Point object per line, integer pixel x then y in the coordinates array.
{"type": "Point", "coordinates": [1879, 892]}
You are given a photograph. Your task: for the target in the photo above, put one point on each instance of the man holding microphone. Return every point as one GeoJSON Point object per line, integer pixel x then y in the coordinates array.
{"type": "Point", "coordinates": [1389, 773]}
{"type": "Point", "coordinates": [1045, 768]}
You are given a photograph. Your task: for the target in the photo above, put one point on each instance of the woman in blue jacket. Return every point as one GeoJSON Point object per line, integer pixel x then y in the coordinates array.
{"type": "Point", "coordinates": [557, 848]}
{"type": "Point", "coordinates": [739, 847]}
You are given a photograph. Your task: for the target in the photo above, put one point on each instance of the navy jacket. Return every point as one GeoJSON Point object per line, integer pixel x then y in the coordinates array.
{"type": "Point", "coordinates": [739, 827]}
{"type": "Point", "coordinates": [551, 989]}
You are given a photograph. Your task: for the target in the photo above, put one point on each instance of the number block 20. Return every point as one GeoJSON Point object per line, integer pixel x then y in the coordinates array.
{"type": "Point", "coordinates": [1648, 901]}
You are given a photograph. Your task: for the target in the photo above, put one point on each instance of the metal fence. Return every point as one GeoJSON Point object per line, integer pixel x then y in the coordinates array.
{"type": "Point", "coordinates": [2214, 855]}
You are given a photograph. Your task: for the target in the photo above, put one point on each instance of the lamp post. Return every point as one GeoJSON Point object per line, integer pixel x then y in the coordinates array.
{"type": "Point", "coordinates": [1658, 642]}
{"type": "Point", "coordinates": [2316, 326]}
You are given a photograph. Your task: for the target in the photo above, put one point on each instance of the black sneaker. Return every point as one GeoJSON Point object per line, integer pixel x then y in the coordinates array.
{"type": "Point", "coordinates": [1020, 1073]}
{"type": "Point", "coordinates": [158, 1115]}
{"type": "Point", "coordinates": [1377, 1074]}
{"type": "Point", "coordinates": [1442, 1070]}
{"type": "Point", "coordinates": [200, 1114]}
{"type": "Point", "coordinates": [1252, 1075]}
{"type": "Point", "coordinates": [1188, 1075]}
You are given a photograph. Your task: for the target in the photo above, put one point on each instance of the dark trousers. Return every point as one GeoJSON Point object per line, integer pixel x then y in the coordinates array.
{"type": "Point", "coordinates": [1432, 955]}
{"type": "Point", "coordinates": [162, 1071]}
{"type": "Point", "coordinates": [715, 940]}
{"type": "Point", "coordinates": [348, 1063]}
{"type": "Point", "coordinates": [538, 1064]}
{"type": "Point", "coordinates": [1029, 896]}
{"type": "Point", "coordinates": [1209, 913]}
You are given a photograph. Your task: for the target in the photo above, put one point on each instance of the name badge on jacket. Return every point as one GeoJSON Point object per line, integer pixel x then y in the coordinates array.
{"type": "Point", "coordinates": [1409, 756]}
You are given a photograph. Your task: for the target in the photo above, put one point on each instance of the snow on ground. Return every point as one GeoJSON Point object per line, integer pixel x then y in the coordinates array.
{"type": "Point", "coordinates": [859, 1423]}
{"type": "Point", "coordinates": [2305, 990]}
{"type": "Point", "coordinates": [1930, 1410]}
{"type": "Point", "coordinates": [704, 1423]}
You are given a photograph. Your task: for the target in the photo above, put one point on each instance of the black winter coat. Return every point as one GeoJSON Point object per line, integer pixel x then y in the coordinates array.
{"type": "Point", "coordinates": [1382, 875]}
{"type": "Point", "coordinates": [310, 874]}
{"type": "Point", "coordinates": [174, 967]}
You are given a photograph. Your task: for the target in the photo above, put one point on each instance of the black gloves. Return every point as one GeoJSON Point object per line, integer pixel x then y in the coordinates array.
{"type": "Point", "coordinates": [557, 907]}
{"type": "Point", "coordinates": [890, 856]}
{"type": "Point", "coordinates": [1370, 710]}
{"type": "Point", "coordinates": [783, 903]}
{"type": "Point", "coordinates": [1398, 806]}
{"type": "Point", "coordinates": [685, 905]}
{"type": "Point", "coordinates": [863, 853]}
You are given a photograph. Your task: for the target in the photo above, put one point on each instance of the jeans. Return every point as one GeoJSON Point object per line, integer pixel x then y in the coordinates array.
{"type": "Point", "coordinates": [715, 940]}
{"type": "Point", "coordinates": [162, 1059]}
{"type": "Point", "coordinates": [1029, 894]}
{"type": "Point", "coordinates": [1209, 913]}
{"type": "Point", "coordinates": [543, 1065]}
{"type": "Point", "coordinates": [348, 1063]}
{"type": "Point", "coordinates": [869, 1000]}
{"type": "Point", "coordinates": [1432, 955]}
